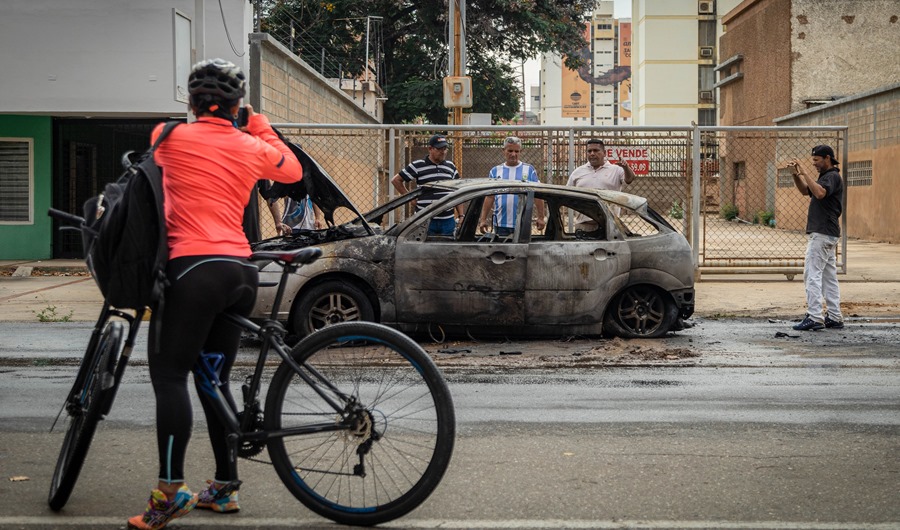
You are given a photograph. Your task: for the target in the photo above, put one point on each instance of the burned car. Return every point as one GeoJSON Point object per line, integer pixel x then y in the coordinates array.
{"type": "Point", "coordinates": [631, 275]}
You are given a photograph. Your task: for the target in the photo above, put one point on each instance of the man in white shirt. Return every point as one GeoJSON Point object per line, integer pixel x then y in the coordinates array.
{"type": "Point", "coordinates": [599, 174]}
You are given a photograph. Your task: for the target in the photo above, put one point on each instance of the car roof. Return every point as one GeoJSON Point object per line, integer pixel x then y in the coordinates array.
{"type": "Point", "coordinates": [634, 202]}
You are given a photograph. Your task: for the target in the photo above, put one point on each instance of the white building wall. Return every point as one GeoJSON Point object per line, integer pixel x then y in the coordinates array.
{"type": "Point", "coordinates": [122, 67]}
{"type": "Point", "coordinates": [665, 61]}
{"type": "Point", "coordinates": [551, 91]}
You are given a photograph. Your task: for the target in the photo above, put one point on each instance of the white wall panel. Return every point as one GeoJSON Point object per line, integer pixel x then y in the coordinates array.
{"type": "Point", "coordinates": [104, 57]}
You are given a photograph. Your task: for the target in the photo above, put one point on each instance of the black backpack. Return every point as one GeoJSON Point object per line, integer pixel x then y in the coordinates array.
{"type": "Point", "coordinates": [125, 239]}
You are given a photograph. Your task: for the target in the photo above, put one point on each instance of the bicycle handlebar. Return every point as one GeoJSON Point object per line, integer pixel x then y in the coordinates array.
{"type": "Point", "coordinates": [65, 216]}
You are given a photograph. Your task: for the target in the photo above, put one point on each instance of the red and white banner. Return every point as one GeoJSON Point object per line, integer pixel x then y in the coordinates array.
{"type": "Point", "coordinates": [637, 157]}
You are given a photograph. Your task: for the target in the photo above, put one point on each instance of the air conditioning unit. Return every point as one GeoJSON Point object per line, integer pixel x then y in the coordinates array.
{"type": "Point", "coordinates": [706, 95]}
{"type": "Point", "coordinates": [706, 7]}
{"type": "Point", "coordinates": [707, 52]}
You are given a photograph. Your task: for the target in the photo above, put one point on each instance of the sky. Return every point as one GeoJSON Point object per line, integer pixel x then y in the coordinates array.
{"type": "Point", "coordinates": [621, 9]}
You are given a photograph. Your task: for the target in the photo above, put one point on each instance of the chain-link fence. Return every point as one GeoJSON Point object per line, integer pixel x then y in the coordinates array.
{"type": "Point", "coordinates": [753, 216]}
{"type": "Point", "coordinates": [746, 215]}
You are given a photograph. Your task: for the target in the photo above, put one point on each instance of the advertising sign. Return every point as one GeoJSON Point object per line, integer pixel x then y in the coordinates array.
{"type": "Point", "coordinates": [576, 92]}
{"type": "Point", "coordinates": [625, 60]}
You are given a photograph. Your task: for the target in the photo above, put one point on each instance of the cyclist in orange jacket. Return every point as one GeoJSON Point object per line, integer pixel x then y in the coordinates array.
{"type": "Point", "coordinates": [210, 169]}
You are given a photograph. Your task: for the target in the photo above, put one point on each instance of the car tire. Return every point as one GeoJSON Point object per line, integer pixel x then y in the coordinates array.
{"type": "Point", "coordinates": [640, 311]}
{"type": "Point", "coordinates": [329, 303]}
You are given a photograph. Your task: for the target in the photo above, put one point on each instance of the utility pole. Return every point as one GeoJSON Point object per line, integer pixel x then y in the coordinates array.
{"type": "Point", "coordinates": [593, 66]}
{"type": "Point", "coordinates": [524, 94]}
{"type": "Point", "coordinates": [457, 70]}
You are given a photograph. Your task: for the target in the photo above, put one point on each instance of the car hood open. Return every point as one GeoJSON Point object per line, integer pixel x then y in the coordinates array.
{"type": "Point", "coordinates": [316, 183]}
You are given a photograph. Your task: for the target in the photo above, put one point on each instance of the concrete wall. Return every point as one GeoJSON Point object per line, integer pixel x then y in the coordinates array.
{"type": "Point", "coordinates": [106, 57]}
{"type": "Point", "coordinates": [290, 91]}
{"type": "Point", "coordinates": [843, 47]}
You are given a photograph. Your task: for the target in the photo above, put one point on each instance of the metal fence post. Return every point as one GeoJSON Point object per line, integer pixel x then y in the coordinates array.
{"type": "Point", "coordinates": [844, 156]}
{"type": "Point", "coordinates": [695, 195]}
{"type": "Point", "coordinates": [571, 168]}
{"type": "Point", "coordinates": [392, 167]}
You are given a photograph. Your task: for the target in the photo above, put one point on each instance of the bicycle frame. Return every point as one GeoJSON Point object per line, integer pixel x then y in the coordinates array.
{"type": "Point", "coordinates": [272, 332]}
{"type": "Point", "coordinates": [121, 363]}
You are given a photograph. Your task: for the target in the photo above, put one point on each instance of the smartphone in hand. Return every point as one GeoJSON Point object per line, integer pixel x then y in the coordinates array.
{"type": "Point", "coordinates": [242, 117]}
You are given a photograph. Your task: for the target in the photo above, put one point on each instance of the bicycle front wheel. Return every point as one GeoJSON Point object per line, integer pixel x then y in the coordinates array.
{"type": "Point", "coordinates": [380, 423]}
{"type": "Point", "coordinates": [84, 411]}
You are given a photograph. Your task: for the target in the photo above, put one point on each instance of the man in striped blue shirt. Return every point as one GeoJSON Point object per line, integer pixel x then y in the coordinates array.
{"type": "Point", "coordinates": [503, 208]}
{"type": "Point", "coordinates": [432, 168]}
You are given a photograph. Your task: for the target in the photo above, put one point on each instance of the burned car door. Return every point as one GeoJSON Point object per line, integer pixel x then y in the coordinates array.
{"type": "Point", "coordinates": [575, 266]}
{"type": "Point", "coordinates": [465, 278]}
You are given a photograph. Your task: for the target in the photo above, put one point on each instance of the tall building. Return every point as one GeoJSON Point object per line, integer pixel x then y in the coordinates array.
{"type": "Point", "coordinates": [675, 55]}
{"type": "Point", "coordinates": [593, 94]}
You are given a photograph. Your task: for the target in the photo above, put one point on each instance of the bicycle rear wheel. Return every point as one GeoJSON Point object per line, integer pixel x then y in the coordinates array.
{"type": "Point", "coordinates": [84, 411]}
{"type": "Point", "coordinates": [386, 451]}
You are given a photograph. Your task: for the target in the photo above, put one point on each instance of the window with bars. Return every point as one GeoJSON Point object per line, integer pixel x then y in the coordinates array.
{"type": "Point", "coordinates": [859, 173]}
{"type": "Point", "coordinates": [16, 180]}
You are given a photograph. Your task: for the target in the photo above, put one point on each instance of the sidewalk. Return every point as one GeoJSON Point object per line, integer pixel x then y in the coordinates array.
{"type": "Point", "coordinates": [60, 289]}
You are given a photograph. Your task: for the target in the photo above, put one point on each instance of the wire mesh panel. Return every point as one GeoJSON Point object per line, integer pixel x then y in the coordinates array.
{"type": "Point", "coordinates": [660, 159]}
{"type": "Point", "coordinates": [354, 157]}
{"type": "Point", "coordinates": [752, 213]}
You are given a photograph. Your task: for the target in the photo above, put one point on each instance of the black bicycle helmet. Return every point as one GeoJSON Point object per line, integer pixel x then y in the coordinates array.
{"type": "Point", "coordinates": [217, 78]}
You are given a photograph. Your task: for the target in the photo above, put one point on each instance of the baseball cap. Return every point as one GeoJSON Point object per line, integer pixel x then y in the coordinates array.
{"type": "Point", "coordinates": [824, 150]}
{"type": "Point", "coordinates": [438, 141]}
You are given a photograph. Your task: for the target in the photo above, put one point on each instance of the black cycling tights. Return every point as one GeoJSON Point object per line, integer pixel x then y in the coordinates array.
{"type": "Point", "coordinates": [202, 287]}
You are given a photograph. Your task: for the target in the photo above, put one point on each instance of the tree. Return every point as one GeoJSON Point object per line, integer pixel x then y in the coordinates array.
{"type": "Point", "coordinates": [415, 37]}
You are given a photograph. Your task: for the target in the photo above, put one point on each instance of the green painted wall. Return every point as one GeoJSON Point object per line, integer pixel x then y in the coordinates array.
{"type": "Point", "coordinates": [34, 240]}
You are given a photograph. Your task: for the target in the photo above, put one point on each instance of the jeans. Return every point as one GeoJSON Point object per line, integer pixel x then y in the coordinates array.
{"type": "Point", "coordinates": [820, 278]}
{"type": "Point", "coordinates": [441, 227]}
{"type": "Point", "coordinates": [503, 231]}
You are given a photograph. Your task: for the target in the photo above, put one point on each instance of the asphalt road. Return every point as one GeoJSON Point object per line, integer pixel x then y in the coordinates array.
{"type": "Point", "coordinates": [784, 433]}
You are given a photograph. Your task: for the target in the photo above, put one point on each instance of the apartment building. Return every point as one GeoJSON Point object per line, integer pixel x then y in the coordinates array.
{"type": "Point", "coordinates": [675, 52]}
{"type": "Point", "coordinates": [589, 95]}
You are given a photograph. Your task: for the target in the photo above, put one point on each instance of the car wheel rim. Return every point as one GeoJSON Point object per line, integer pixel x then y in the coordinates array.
{"type": "Point", "coordinates": [333, 308]}
{"type": "Point", "coordinates": [641, 310]}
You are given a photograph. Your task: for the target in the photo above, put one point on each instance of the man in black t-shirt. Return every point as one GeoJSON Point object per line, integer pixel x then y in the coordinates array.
{"type": "Point", "coordinates": [820, 269]}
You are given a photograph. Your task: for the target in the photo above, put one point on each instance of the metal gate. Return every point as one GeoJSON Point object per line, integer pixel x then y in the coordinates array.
{"type": "Point", "coordinates": [753, 218]}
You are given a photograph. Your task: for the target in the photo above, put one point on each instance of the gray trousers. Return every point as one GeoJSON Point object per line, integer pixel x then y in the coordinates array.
{"type": "Point", "coordinates": [820, 278]}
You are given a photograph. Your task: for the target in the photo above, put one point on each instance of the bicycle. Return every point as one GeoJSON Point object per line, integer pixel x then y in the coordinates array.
{"type": "Point", "coordinates": [358, 420]}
